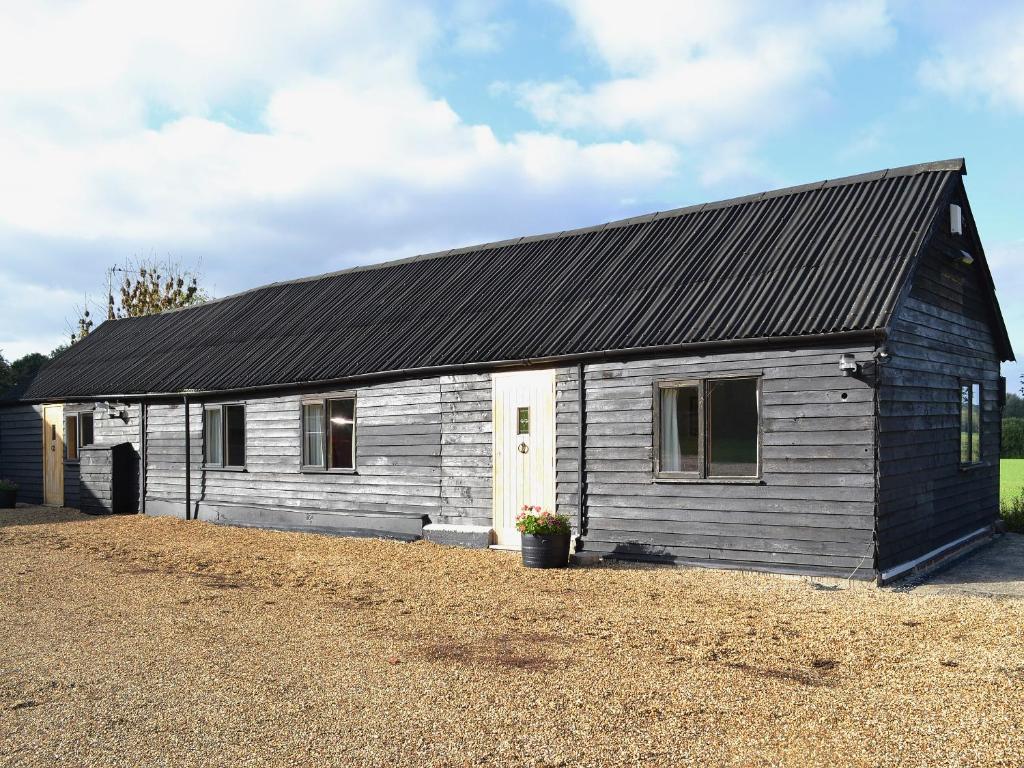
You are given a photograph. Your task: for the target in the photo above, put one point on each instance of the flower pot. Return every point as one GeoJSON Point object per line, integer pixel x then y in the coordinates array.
{"type": "Point", "coordinates": [8, 499]}
{"type": "Point", "coordinates": [545, 551]}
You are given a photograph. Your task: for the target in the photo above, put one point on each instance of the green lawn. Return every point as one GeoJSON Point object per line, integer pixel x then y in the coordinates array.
{"type": "Point", "coordinates": [1011, 478]}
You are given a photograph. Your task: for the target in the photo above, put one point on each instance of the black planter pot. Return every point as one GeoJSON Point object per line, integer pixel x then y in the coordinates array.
{"type": "Point", "coordinates": [8, 499]}
{"type": "Point", "coordinates": [545, 551]}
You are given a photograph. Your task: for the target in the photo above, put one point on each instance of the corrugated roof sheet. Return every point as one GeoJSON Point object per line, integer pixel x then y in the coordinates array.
{"type": "Point", "coordinates": [817, 259]}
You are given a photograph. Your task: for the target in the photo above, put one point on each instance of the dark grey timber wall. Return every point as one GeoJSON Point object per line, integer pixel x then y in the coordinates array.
{"type": "Point", "coordinates": [466, 449]}
{"type": "Point", "coordinates": [940, 335]}
{"type": "Point", "coordinates": [21, 450]}
{"type": "Point", "coordinates": [813, 510]}
{"type": "Point", "coordinates": [567, 444]}
{"type": "Point", "coordinates": [423, 453]}
{"type": "Point", "coordinates": [106, 431]}
{"type": "Point", "coordinates": [165, 457]}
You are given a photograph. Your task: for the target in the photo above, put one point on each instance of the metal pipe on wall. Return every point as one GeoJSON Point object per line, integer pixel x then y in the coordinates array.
{"type": "Point", "coordinates": [581, 418]}
{"type": "Point", "coordinates": [142, 457]}
{"type": "Point", "coordinates": [188, 464]}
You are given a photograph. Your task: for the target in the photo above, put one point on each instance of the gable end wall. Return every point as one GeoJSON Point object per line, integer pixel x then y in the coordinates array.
{"type": "Point", "coordinates": [941, 334]}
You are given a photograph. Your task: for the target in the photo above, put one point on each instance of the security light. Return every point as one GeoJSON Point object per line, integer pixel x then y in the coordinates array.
{"type": "Point", "coordinates": [956, 219]}
{"type": "Point", "coordinates": [847, 364]}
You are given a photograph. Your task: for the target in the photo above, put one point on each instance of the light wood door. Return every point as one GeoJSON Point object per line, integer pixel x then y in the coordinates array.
{"type": "Point", "coordinates": [53, 455]}
{"type": "Point", "coordinates": [524, 447]}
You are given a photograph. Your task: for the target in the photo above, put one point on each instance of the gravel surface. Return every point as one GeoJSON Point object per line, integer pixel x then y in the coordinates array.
{"type": "Point", "coordinates": [154, 642]}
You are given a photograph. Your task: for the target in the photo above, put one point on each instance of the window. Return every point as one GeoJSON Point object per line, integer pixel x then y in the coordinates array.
{"type": "Point", "coordinates": [522, 421]}
{"type": "Point", "coordinates": [329, 433]}
{"type": "Point", "coordinates": [708, 428]}
{"type": "Point", "coordinates": [77, 433]}
{"type": "Point", "coordinates": [224, 436]}
{"type": "Point", "coordinates": [970, 422]}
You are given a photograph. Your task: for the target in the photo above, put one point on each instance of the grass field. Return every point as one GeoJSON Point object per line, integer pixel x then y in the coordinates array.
{"type": "Point", "coordinates": [1011, 478]}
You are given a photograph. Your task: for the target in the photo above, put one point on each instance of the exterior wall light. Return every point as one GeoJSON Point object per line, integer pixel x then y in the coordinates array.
{"type": "Point", "coordinates": [847, 364]}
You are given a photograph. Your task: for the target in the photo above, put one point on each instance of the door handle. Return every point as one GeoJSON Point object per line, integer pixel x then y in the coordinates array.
{"type": "Point", "coordinates": [523, 448]}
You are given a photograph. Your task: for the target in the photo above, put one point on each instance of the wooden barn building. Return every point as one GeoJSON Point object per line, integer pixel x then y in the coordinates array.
{"type": "Point", "coordinates": [803, 381]}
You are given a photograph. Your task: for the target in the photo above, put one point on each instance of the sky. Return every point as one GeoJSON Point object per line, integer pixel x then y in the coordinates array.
{"type": "Point", "coordinates": [263, 140]}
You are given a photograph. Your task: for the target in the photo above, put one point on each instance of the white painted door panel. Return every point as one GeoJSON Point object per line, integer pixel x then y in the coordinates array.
{"type": "Point", "coordinates": [524, 447]}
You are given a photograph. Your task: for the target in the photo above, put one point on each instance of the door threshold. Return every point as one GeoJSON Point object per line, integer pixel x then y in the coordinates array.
{"type": "Point", "coordinates": [506, 547]}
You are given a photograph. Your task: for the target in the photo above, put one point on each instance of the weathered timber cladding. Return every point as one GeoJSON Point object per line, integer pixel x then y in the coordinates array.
{"type": "Point", "coordinates": [165, 456]}
{"type": "Point", "coordinates": [21, 450]}
{"type": "Point", "coordinates": [567, 444]}
{"type": "Point", "coordinates": [466, 449]}
{"type": "Point", "coordinates": [398, 457]}
{"type": "Point", "coordinates": [106, 431]}
{"type": "Point", "coordinates": [941, 335]}
{"type": "Point", "coordinates": [812, 510]}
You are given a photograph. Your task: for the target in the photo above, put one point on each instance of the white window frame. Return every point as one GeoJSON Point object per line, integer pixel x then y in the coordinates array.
{"type": "Point", "coordinates": [324, 402]}
{"type": "Point", "coordinates": [701, 475]}
{"type": "Point", "coordinates": [222, 464]}
{"type": "Point", "coordinates": [78, 416]}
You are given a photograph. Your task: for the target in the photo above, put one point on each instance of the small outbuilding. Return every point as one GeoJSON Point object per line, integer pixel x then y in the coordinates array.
{"type": "Point", "coordinates": [803, 381]}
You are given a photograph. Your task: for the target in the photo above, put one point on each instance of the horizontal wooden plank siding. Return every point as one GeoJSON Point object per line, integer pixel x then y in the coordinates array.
{"type": "Point", "coordinates": [165, 454]}
{"type": "Point", "coordinates": [21, 450]}
{"type": "Point", "coordinates": [567, 443]}
{"type": "Point", "coordinates": [941, 335]}
{"type": "Point", "coordinates": [811, 512]}
{"type": "Point", "coordinates": [423, 449]}
{"type": "Point", "coordinates": [466, 449]}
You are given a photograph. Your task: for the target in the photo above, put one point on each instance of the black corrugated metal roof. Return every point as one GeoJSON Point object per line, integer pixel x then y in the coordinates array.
{"type": "Point", "coordinates": [821, 258]}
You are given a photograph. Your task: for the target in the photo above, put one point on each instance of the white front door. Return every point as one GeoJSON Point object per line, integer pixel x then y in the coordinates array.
{"type": "Point", "coordinates": [524, 447]}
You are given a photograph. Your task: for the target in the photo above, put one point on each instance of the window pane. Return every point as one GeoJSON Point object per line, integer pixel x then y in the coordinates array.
{"type": "Point", "coordinates": [313, 434]}
{"type": "Point", "coordinates": [975, 422]}
{"type": "Point", "coordinates": [679, 429]}
{"type": "Point", "coordinates": [234, 435]}
{"type": "Point", "coordinates": [85, 429]}
{"type": "Point", "coordinates": [71, 437]}
{"type": "Point", "coordinates": [342, 414]}
{"type": "Point", "coordinates": [214, 448]}
{"type": "Point", "coordinates": [732, 425]}
{"type": "Point", "coordinates": [965, 424]}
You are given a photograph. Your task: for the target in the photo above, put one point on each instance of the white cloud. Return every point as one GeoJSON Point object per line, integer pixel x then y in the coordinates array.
{"type": "Point", "coordinates": [477, 28]}
{"type": "Point", "coordinates": [337, 110]}
{"type": "Point", "coordinates": [272, 138]}
{"type": "Point", "coordinates": [693, 72]}
{"type": "Point", "coordinates": [982, 61]}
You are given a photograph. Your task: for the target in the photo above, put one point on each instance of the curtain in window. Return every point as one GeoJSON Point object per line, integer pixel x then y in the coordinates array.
{"type": "Point", "coordinates": [214, 443]}
{"type": "Point", "coordinates": [71, 437]}
{"type": "Point", "coordinates": [679, 429]}
{"type": "Point", "coordinates": [313, 434]}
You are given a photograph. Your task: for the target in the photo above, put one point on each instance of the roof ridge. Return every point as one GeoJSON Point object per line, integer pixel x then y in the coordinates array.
{"type": "Point", "coordinates": [952, 164]}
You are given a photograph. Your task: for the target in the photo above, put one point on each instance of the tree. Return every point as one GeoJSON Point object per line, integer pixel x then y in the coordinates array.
{"type": "Point", "coordinates": [21, 370]}
{"type": "Point", "coordinates": [1014, 408]}
{"type": "Point", "coordinates": [6, 380]}
{"type": "Point", "coordinates": [149, 287]}
{"type": "Point", "coordinates": [145, 287]}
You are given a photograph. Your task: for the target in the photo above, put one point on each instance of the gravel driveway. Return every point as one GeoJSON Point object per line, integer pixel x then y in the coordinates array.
{"type": "Point", "coordinates": [155, 642]}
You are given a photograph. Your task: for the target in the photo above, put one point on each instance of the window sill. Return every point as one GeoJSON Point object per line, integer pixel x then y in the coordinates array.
{"type": "Point", "coordinates": [712, 480]}
{"type": "Point", "coordinates": [317, 471]}
{"type": "Point", "coordinates": [974, 466]}
{"type": "Point", "coordinates": [214, 468]}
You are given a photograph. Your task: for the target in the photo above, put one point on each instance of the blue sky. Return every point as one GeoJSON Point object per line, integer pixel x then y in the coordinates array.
{"type": "Point", "coordinates": [267, 139]}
